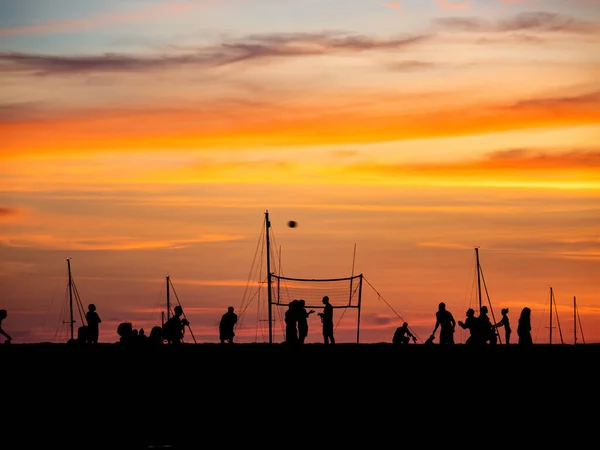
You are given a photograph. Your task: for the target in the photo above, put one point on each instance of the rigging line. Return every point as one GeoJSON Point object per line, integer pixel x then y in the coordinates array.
{"type": "Point", "coordinates": [472, 277]}
{"type": "Point", "coordinates": [390, 306]}
{"type": "Point", "coordinates": [183, 312]}
{"type": "Point", "coordinates": [80, 309]}
{"type": "Point", "coordinates": [63, 312]}
{"type": "Point", "coordinates": [252, 266]}
{"type": "Point", "coordinates": [242, 314]}
{"type": "Point", "coordinates": [553, 299]}
{"type": "Point", "coordinates": [496, 330]}
{"type": "Point", "coordinates": [381, 298]}
{"type": "Point", "coordinates": [580, 326]}
{"type": "Point", "coordinates": [542, 316]}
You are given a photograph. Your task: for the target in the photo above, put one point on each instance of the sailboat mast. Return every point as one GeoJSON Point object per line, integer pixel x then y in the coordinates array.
{"type": "Point", "coordinates": [71, 321]}
{"type": "Point", "coordinates": [551, 297]}
{"type": "Point", "coordinates": [574, 320]}
{"type": "Point", "coordinates": [269, 294]}
{"type": "Point", "coordinates": [478, 276]}
{"type": "Point", "coordinates": [168, 300]}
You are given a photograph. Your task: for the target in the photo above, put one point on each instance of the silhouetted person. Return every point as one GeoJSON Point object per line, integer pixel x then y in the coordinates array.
{"type": "Point", "coordinates": [4, 315]}
{"type": "Point", "coordinates": [156, 336]}
{"type": "Point", "coordinates": [227, 325]}
{"type": "Point", "coordinates": [125, 331]}
{"type": "Point", "coordinates": [504, 322]}
{"type": "Point", "coordinates": [488, 332]}
{"type": "Point", "coordinates": [327, 320]}
{"type": "Point", "coordinates": [303, 321]}
{"type": "Point", "coordinates": [471, 323]}
{"type": "Point", "coordinates": [430, 339]}
{"type": "Point", "coordinates": [291, 321]}
{"type": "Point", "coordinates": [524, 327]}
{"type": "Point", "coordinates": [142, 335]}
{"type": "Point", "coordinates": [93, 324]}
{"type": "Point", "coordinates": [446, 323]}
{"type": "Point", "coordinates": [402, 335]}
{"type": "Point", "coordinates": [174, 328]}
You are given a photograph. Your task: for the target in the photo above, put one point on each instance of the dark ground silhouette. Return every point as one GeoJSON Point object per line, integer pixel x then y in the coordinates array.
{"type": "Point", "coordinates": [189, 395]}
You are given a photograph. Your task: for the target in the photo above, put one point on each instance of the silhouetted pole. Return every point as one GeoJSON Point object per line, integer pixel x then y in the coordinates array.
{"type": "Point", "coordinates": [478, 277]}
{"type": "Point", "coordinates": [359, 305]}
{"type": "Point", "coordinates": [574, 320]}
{"type": "Point", "coordinates": [269, 294]}
{"type": "Point", "coordinates": [71, 321]}
{"type": "Point", "coordinates": [551, 297]}
{"type": "Point", "coordinates": [168, 299]}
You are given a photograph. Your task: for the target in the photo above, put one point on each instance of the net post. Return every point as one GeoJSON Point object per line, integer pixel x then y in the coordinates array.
{"type": "Point", "coordinates": [359, 305]}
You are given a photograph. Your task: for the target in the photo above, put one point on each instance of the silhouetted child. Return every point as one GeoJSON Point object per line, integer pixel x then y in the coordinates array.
{"type": "Point", "coordinates": [504, 322]}
{"type": "Point", "coordinates": [446, 323]}
{"type": "Point", "coordinates": [327, 320]}
{"type": "Point", "coordinates": [402, 335]}
{"type": "Point", "coordinates": [472, 324]}
{"type": "Point", "coordinates": [125, 332]}
{"type": "Point", "coordinates": [227, 325]}
{"type": "Point", "coordinates": [524, 327]}
{"type": "Point", "coordinates": [303, 321]}
{"type": "Point", "coordinates": [93, 324]}
{"type": "Point", "coordinates": [4, 315]}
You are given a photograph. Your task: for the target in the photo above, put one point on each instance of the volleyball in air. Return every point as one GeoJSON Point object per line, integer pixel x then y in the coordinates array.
{"type": "Point", "coordinates": [292, 224]}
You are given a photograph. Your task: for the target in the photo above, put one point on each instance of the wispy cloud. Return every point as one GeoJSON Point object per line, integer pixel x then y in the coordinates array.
{"type": "Point", "coordinates": [95, 242]}
{"type": "Point", "coordinates": [509, 168]}
{"type": "Point", "coordinates": [7, 211]}
{"type": "Point", "coordinates": [538, 21]}
{"type": "Point", "coordinates": [157, 11]}
{"type": "Point", "coordinates": [250, 48]}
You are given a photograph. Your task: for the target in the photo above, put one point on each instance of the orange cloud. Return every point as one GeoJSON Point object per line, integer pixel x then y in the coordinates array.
{"type": "Point", "coordinates": [87, 23]}
{"type": "Point", "coordinates": [245, 126]}
{"type": "Point", "coordinates": [517, 168]}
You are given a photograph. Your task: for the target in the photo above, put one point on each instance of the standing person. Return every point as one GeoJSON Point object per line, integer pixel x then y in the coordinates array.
{"type": "Point", "coordinates": [93, 324]}
{"type": "Point", "coordinates": [402, 335]}
{"type": "Point", "coordinates": [488, 332]}
{"type": "Point", "coordinates": [3, 315]}
{"type": "Point", "coordinates": [446, 323]}
{"type": "Point", "coordinates": [303, 321]}
{"type": "Point", "coordinates": [226, 326]}
{"type": "Point", "coordinates": [524, 327]}
{"type": "Point", "coordinates": [291, 321]}
{"type": "Point", "coordinates": [504, 322]}
{"type": "Point", "coordinates": [327, 320]}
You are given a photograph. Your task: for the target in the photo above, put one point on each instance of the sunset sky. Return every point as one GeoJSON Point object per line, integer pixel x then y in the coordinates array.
{"type": "Point", "coordinates": [147, 138]}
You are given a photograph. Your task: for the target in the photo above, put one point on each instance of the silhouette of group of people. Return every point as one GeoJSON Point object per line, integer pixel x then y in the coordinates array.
{"type": "Point", "coordinates": [481, 329]}
{"type": "Point", "coordinates": [296, 321]}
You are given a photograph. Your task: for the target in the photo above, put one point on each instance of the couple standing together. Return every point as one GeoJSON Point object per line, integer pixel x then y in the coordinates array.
{"type": "Point", "coordinates": [296, 321]}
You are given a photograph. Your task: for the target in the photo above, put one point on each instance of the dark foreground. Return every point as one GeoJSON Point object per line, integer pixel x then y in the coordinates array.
{"type": "Point", "coordinates": [346, 395]}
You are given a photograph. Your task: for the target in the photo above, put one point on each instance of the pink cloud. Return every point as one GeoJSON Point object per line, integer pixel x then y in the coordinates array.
{"type": "Point", "coordinates": [86, 23]}
{"type": "Point", "coordinates": [447, 4]}
{"type": "Point", "coordinates": [393, 4]}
